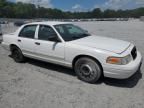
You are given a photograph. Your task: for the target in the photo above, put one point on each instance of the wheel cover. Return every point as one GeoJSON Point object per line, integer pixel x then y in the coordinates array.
{"type": "Point", "coordinates": [88, 71]}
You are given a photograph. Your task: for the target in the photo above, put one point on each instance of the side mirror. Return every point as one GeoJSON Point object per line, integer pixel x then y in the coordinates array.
{"type": "Point", "coordinates": [54, 38]}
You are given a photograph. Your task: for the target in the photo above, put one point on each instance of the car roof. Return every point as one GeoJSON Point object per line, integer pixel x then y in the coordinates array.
{"type": "Point", "coordinates": [48, 23]}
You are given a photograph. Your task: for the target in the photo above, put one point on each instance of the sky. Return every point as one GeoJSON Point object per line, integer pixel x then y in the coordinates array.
{"type": "Point", "coordinates": [86, 5]}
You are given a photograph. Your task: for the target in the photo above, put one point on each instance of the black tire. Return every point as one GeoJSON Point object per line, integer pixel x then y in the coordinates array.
{"type": "Point", "coordinates": [17, 55]}
{"type": "Point", "coordinates": [88, 70]}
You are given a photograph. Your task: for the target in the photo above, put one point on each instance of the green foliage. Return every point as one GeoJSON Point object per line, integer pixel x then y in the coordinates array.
{"type": "Point", "coordinates": [97, 13]}
{"type": "Point", "coordinates": [23, 10]}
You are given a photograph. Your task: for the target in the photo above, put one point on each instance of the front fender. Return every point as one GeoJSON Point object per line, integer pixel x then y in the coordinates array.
{"type": "Point", "coordinates": [72, 51]}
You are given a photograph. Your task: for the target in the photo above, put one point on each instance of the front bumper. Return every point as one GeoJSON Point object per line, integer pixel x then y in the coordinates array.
{"type": "Point", "coordinates": [125, 71]}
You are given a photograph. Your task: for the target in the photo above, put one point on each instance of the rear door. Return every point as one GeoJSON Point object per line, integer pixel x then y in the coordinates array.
{"type": "Point", "coordinates": [26, 39]}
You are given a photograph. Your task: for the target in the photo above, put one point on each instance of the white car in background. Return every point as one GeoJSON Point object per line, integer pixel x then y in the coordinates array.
{"type": "Point", "coordinates": [69, 45]}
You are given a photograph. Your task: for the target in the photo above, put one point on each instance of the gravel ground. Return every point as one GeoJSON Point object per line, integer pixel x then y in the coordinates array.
{"type": "Point", "coordinates": [36, 84]}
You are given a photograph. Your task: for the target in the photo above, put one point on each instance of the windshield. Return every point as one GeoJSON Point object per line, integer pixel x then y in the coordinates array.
{"type": "Point", "coordinates": [71, 32]}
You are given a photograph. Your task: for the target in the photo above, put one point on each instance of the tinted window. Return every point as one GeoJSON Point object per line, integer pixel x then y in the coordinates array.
{"type": "Point", "coordinates": [46, 33]}
{"type": "Point", "coordinates": [28, 31]}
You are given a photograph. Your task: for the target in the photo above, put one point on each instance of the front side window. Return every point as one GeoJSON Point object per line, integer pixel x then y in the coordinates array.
{"type": "Point", "coordinates": [28, 31]}
{"type": "Point", "coordinates": [71, 32]}
{"type": "Point", "coordinates": [47, 33]}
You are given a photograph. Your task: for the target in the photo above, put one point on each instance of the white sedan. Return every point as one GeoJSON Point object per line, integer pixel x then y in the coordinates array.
{"type": "Point", "coordinates": [69, 45]}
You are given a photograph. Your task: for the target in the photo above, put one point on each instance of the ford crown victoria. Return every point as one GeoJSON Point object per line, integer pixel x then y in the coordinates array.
{"type": "Point", "coordinates": [68, 45]}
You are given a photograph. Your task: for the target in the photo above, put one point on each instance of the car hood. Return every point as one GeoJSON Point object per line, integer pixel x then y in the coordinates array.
{"type": "Point", "coordinates": [109, 44]}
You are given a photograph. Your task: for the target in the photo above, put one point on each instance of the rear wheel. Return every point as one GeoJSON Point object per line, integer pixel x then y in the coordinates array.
{"type": "Point", "coordinates": [17, 55]}
{"type": "Point", "coordinates": [88, 70]}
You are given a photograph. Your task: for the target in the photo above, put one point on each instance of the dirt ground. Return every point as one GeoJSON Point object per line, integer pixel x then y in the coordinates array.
{"type": "Point", "coordinates": [36, 84]}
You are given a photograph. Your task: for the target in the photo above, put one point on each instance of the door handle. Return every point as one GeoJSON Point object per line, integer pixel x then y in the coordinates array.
{"type": "Point", "coordinates": [19, 40]}
{"type": "Point", "coordinates": [37, 43]}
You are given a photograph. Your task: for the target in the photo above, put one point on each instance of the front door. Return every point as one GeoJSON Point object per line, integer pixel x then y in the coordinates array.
{"type": "Point", "coordinates": [48, 44]}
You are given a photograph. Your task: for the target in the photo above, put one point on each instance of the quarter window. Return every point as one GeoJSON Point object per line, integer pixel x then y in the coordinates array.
{"type": "Point", "coordinates": [28, 31]}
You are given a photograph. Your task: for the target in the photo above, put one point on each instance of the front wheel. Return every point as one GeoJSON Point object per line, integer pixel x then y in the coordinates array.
{"type": "Point", "coordinates": [88, 70]}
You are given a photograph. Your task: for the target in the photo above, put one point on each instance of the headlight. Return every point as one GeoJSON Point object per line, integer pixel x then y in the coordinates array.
{"type": "Point", "coordinates": [119, 60]}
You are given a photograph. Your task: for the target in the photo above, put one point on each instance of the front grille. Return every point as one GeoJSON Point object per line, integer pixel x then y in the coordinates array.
{"type": "Point", "coordinates": [134, 53]}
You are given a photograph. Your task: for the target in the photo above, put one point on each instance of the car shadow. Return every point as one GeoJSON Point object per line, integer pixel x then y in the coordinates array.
{"type": "Point", "coordinates": [50, 66]}
{"type": "Point", "coordinates": [124, 83]}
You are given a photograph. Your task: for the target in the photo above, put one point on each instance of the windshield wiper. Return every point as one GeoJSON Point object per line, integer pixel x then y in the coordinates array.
{"type": "Point", "coordinates": [76, 37]}
{"type": "Point", "coordinates": [81, 36]}
{"type": "Point", "coordinates": [84, 34]}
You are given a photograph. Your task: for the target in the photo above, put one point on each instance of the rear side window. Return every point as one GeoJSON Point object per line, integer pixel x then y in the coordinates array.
{"type": "Point", "coordinates": [28, 31]}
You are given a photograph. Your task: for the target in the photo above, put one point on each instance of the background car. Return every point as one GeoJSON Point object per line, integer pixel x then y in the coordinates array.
{"type": "Point", "coordinates": [19, 23]}
{"type": "Point", "coordinates": [3, 22]}
{"type": "Point", "coordinates": [0, 30]}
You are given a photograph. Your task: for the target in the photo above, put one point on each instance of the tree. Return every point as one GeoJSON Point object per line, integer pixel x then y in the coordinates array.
{"type": "Point", "coordinates": [2, 5]}
{"type": "Point", "coordinates": [97, 13]}
{"type": "Point", "coordinates": [109, 13]}
{"type": "Point", "coordinates": [24, 10]}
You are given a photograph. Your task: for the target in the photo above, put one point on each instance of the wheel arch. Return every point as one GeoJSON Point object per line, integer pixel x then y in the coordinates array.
{"type": "Point", "coordinates": [12, 46]}
{"type": "Point", "coordinates": [91, 57]}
